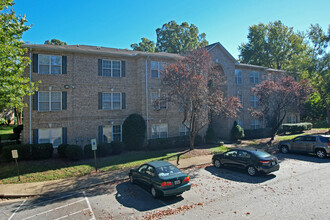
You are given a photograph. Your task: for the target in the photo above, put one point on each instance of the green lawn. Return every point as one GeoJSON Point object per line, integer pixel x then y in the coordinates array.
{"type": "Point", "coordinates": [5, 131]}
{"type": "Point", "coordinates": [219, 149]}
{"type": "Point", "coordinates": [52, 169]}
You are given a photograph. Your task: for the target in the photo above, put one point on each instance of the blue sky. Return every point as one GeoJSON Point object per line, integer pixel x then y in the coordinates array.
{"type": "Point", "coordinates": [118, 24]}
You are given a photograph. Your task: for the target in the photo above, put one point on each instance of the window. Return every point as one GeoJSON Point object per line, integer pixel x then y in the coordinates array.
{"type": "Point", "coordinates": [244, 154]}
{"type": "Point", "coordinates": [156, 68]}
{"type": "Point", "coordinates": [240, 96]}
{"type": "Point", "coordinates": [111, 101]}
{"type": "Point", "coordinates": [50, 135]}
{"type": "Point", "coordinates": [254, 77]}
{"type": "Point", "coordinates": [111, 133]}
{"type": "Point", "coordinates": [240, 123]}
{"type": "Point", "coordinates": [255, 124]}
{"type": "Point", "coordinates": [253, 101]}
{"type": "Point", "coordinates": [111, 68]}
{"type": "Point", "coordinates": [49, 64]}
{"type": "Point", "coordinates": [238, 77]}
{"type": "Point", "coordinates": [292, 118]}
{"type": "Point", "coordinates": [161, 104]}
{"type": "Point", "coordinates": [159, 131]}
{"type": "Point", "coordinates": [183, 130]}
{"type": "Point", "coordinates": [50, 101]}
{"type": "Point", "coordinates": [232, 153]}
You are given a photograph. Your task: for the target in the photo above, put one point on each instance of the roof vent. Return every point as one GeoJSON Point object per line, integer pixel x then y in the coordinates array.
{"type": "Point", "coordinates": [98, 48]}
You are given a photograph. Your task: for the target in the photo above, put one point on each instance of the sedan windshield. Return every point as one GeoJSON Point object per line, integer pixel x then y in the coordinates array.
{"type": "Point", "coordinates": [167, 170]}
{"type": "Point", "coordinates": [261, 154]}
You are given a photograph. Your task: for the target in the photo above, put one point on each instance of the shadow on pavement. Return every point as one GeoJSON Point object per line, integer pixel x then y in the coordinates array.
{"type": "Point", "coordinates": [133, 196]}
{"type": "Point", "coordinates": [303, 157]}
{"type": "Point", "coordinates": [238, 175]}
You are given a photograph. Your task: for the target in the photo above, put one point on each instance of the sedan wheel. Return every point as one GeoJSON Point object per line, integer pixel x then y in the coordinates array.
{"type": "Point", "coordinates": [284, 149]}
{"type": "Point", "coordinates": [131, 179]}
{"type": "Point", "coordinates": [251, 171]}
{"type": "Point", "coordinates": [153, 192]}
{"type": "Point", "coordinates": [320, 153]}
{"type": "Point", "coordinates": [217, 163]}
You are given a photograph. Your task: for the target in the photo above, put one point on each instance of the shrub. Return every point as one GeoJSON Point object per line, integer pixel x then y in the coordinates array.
{"type": "Point", "coordinates": [61, 150]}
{"type": "Point", "coordinates": [172, 142]}
{"type": "Point", "coordinates": [237, 132]}
{"type": "Point", "coordinates": [258, 133]}
{"type": "Point", "coordinates": [117, 147]}
{"type": "Point", "coordinates": [17, 133]}
{"type": "Point", "coordinates": [42, 151]}
{"type": "Point", "coordinates": [103, 149]}
{"type": "Point", "coordinates": [134, 130]}
{"type": "Point", "coordinates": [210, 137]}
{"type": "Point", "coordinates": [74, 152]}
{"type": "Point", "coordinates": [297, 127]}
{"type": "Point", "coordinates": [22, 150]}
{"type": "Point", "coordinates": [88, 152]}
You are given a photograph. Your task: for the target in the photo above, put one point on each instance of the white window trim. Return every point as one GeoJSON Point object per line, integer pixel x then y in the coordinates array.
{"type": "Point", "coordinates": [50, 135]}
{"type": "Point", "coordinates": [255, 76]}
{"type": "Point", "coordinates": [111, 103]}
{"type": "Point", "coordinates": [50, 102]}
{"type": "Point", "coordinates": [159, 132]}
{"type": "Point", "coordinates": [238, 75]}
{"type": "Point", "coordinates": [159, 64]}
{"type": "Point", "coordinates": [254, 100]}
{"type": "Point", "coordinates": [254, 123]}
{"type": "Point", "coordinates": [158, 94]}
{"type": "Point", "coordinates": [50, 64]}
{"type": "Point", "coordinates": [186, 130]}
{"type": "Point", "coordinates": [111, 69]}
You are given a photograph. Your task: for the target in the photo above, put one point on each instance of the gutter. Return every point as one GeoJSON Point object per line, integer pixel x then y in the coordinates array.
{"type": "Point", "coordinates": [73, 50]}
{"type": "Point", "coordinates": [30, 128]}
{"type": "Point", "coordinates": [147, 98]}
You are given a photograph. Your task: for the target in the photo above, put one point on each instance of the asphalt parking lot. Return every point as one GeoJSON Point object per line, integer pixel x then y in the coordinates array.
{"type": "Point", "coordinates": [300, 189]}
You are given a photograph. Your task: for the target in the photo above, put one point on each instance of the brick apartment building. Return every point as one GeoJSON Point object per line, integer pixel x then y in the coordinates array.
{"type": "Point", "coordinates": [87, 92]}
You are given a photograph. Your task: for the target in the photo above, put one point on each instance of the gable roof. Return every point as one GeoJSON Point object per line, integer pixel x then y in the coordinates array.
{"type": "Point", "coordinates": [217, 44]}
{"type": "Point", "coordinates": [100, 50]}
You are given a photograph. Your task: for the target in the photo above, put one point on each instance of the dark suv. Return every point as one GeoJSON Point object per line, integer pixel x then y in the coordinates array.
{"type": "Point", "coordinates": [250, 159]}
{"type": "Point", "coordinates": [318, 144]}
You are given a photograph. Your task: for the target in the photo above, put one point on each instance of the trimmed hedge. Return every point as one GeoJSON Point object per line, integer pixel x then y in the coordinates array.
{"type": "Point", "coordinates": [134, 131]}
{"type": "Point", "coordinates": [23, 151]}
{"type": "Point", "coordinates": [74, 152]}
{"type": "Point", "coordinates": [258, 133]}
{"type": "Point", "coordinates": [42, 151]}
{"type": "Point", "coordinates": [117, 147]}
{"type": "Point", "coordinates": [61, 150]}
{"type": "Point", "coordinates": [297, 127]}
{"type": "Point", "coordinates": [210, 137]}
{"type": "Point", "coordinates": [237, 132]}
{"type": "Point", "coordinates": [172, 142]}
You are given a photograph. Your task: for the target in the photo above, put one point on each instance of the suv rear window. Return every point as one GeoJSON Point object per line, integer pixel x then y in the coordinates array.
{"type": "Point", "coordinates": [325, 139]}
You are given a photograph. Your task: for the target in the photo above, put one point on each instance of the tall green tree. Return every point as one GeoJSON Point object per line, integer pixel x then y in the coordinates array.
{"type": "Point", "coordinates": [55, 42]}
{"type": "Point", "coordinates": [13, 85]}
{"type": "Point", "coordinates": [273, 45]}
{"type": "Point", "coordinates": [174, 38]}
{"type": "Point", "coordinates": [145, 45]}
{"type": "Point", "coordinates": [317, 67]}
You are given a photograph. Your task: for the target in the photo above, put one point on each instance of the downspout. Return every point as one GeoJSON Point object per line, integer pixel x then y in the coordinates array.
{"type": "Point", "coordinates": [147, 98]}
{"type": "Point", "coordinates": [30, 97]}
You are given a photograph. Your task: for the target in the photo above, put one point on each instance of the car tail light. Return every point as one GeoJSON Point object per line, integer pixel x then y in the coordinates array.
{"type": "Point", "coordinates": [265, 162]}
{"type": "Point", "coordinates": [329, 144]}
{"type": "Point", "coordinates": [166, 184]}
{"type": "Point", "coordinates": [186, 180]}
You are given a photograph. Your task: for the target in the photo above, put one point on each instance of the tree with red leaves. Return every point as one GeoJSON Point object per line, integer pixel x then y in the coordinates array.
{"type": "Point", "coordinates": [195, 84]}
{"type": "Point", "coordinates": [278, 98]}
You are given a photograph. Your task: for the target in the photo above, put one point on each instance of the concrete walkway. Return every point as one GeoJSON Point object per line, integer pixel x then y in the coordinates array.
{"type": "Point", "coordinates": [76, 183]}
